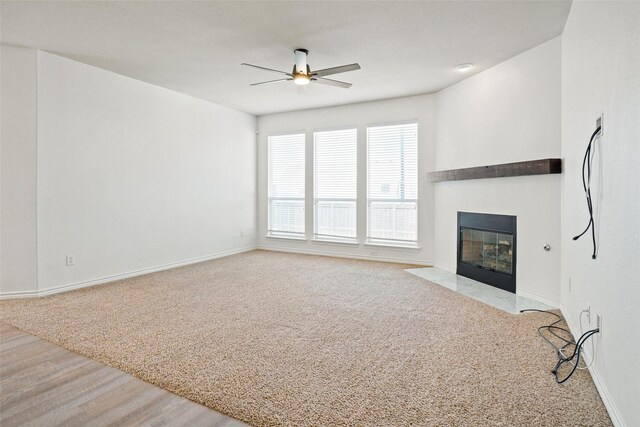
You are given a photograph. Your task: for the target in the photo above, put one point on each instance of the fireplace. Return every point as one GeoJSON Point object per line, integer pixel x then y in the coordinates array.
{"type": "Point", "coordinates": [487, 249]}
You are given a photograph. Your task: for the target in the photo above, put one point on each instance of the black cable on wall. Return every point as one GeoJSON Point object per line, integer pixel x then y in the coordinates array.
{"type": "Point", "coordinates": [586, 185]}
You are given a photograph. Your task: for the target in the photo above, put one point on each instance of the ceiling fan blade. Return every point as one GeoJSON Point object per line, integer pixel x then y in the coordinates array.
{"type": "Point", "coordinates": [335, 70]}
{"type": "Point", "coordinates": [271, 81]}
{"type": "Point", "coordinates": [331, 82]}
{"type": "Point", "coordinates": [264, 68]}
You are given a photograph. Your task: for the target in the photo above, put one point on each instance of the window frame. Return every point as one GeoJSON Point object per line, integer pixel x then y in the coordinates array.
{"type": "Point", "coordinates": [384, 242]}
{"type": "Point", "coordinates": [282, 234]}
{"type": "Point", "coordinates": [317, 237]}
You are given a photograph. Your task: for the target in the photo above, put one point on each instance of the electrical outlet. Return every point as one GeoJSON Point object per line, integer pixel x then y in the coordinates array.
{"type": "Point", "coordinates": [71, 260]}
{"type": "Point", "coordinates": [599, 124]}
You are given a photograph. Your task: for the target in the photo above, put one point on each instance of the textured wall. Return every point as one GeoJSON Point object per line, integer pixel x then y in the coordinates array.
{"type": "Point", "coordinates": [18, 259]}
{"type": "Point", "coordinates": [601, 74]}
{"type": "Point", "coordinates": [508, 113]}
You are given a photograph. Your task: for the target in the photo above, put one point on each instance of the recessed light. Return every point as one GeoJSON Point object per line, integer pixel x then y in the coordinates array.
{"type": "Point", "coordinates": [464, 67]}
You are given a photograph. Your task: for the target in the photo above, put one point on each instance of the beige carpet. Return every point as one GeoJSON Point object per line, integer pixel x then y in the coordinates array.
{"type": "Point", "coordinates": [281, 339]}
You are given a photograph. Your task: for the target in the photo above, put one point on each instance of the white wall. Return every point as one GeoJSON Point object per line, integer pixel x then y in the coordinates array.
{"type": "Point", "coordinates": [18, 263]}
{"type": "Point", "coordinates": [420, 108]}
{"type": "Point", "coordinates": [508, 113]}
{"type": "Point", "coordinates": [601, 74]}
{"type": "Point", "coordinates": [130, 176]}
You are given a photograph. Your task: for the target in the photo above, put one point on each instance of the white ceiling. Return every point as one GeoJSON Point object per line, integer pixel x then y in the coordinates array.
{"type": "Point", "coordinates": [404, 48]}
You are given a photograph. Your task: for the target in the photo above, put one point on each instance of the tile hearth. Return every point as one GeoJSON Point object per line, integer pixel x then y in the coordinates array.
{"type": "Point", "coordinates": [503, 300]}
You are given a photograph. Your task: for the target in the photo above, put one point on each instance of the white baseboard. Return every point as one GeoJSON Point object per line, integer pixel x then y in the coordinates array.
{"type": "Point", "coordinates": [108, 279]}
{"type": "Point", "coordinates": [339, 255]}
{"type": "Point", "coordinates": [616, 419]}
{"type": "Point", "coordinates": [18, 294]}
{"type": "Point", "coordinates": [537, 297]}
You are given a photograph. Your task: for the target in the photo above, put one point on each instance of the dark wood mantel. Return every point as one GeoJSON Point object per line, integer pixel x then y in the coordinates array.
{"type": "Point", "coordinates": [530, 167]}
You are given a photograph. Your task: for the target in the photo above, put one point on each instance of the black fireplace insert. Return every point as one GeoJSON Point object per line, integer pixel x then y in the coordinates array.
{"type": "Point", "coordinates": [487, 249]}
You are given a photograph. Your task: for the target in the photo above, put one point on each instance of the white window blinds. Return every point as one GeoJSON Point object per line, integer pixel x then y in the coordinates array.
{"type": "Point", "coordinates": [286, 184]}
{"type": "Point", "coordinates": [335, 183]}
{"type": "Point", "coordinates": [392, 182]}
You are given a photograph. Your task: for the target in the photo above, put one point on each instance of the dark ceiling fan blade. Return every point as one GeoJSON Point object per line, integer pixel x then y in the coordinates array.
{"type": "Point", "coordinates": [264, 68]}
{"type": "Point", "coordinates": [270, 81]}
{"type": "Point", "coordinates": [331, 82]}
{"type": "Point", "coordinates": [335, 70]}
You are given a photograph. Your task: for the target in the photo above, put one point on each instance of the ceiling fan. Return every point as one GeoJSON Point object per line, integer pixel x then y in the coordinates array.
{"type": "Point", "coordinates": [302, 74]}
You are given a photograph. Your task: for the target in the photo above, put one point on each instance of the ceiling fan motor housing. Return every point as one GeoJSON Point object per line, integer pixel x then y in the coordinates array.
{"type": "Point", "coordinates": [301, 66]}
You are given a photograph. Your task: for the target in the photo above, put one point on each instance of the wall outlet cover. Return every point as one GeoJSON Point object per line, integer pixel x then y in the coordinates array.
{"type": "Point", "coordinates": [600, 124]}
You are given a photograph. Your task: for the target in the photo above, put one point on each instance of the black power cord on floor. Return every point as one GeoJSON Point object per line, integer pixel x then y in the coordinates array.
{"type": "Point", "coordinates": [586, 185]}
{"type": "Point", "coordinates": [562, 359]}
{"type": "Point", "coordinates": [550, 328]}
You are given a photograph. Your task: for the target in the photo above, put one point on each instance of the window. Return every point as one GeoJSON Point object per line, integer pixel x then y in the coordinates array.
{"type": "Point", "coordinates": [392, 183]}
{"type": "Point", "coordinates": [335, 183]}
{"type": "Point", "coordinates": [286, 185]}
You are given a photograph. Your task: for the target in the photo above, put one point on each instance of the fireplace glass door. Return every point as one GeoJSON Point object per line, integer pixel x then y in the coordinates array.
{"type": "Point", "coordinates": [487, 249]}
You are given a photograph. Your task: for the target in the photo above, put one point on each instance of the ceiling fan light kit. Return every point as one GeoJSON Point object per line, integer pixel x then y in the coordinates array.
{"type": "Point", "coordinates": [302, 74]}
{"type": "Point", "coordinates": [301, 79]}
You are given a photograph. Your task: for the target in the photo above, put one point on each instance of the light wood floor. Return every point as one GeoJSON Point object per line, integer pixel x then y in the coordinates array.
{"type": "Point", "coordinates": [44, 384]}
